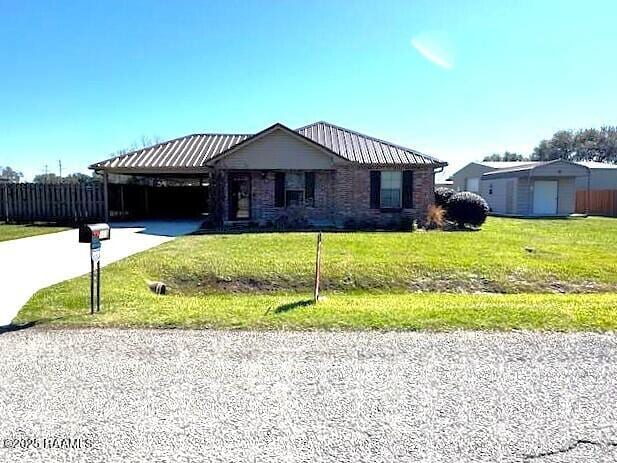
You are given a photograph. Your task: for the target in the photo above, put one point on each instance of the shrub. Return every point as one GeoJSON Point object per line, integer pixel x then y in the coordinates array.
{"type": "Point", "coordinates": [467, 208]}
{"type": "Point", "coordinates": [351, 224]}
{"type": "Point", "coordinates": [408, 224]}
{"type": "Point", "coordinates": [442, 195]}
{"type": "Point", "coordinates": [435, 217]}
{"type": "Point", "coordinates": [293, 218]}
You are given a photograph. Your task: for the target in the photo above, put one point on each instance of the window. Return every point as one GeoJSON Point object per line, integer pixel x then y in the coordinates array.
{"type": "Point", "coordinates": [294, 189]}
{"type": "Point", "coordinates": [390, 195]}
{"type": "Point", "coordinates": [294, 197]}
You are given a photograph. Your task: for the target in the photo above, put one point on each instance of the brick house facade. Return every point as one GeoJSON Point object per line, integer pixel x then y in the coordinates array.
{"type": "Point", "coordinates": [320, 174]}
{"type": "Point", "coordinates": [342, 198]}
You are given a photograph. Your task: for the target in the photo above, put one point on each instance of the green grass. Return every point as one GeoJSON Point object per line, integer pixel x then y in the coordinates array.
{"type": "Point", "coordinates": [507, 255]}
{"type": "Point", "coordinates": [13, 232]}
{"type": "Point", "coordinates": [506, 276]}
{"type": "Point", "coordinates": [66, 305]}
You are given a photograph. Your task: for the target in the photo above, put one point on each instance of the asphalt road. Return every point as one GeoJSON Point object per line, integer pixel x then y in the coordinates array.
{"type": "Point", "coordinates": [174, 395]}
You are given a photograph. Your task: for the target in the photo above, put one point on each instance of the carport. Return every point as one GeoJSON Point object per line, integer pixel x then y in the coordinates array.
{"type": "Point", "coordinates": [157, 196]}
{"type": "Point", "coordinates": [166, 180]}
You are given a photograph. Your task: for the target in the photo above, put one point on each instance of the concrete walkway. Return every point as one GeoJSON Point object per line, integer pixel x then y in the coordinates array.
{"type": "Point", "coordinates": [30, 264]}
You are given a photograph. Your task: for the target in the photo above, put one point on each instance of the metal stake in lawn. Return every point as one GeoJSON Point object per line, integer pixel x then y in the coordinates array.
{"type": "Point", "coordinates": [317, 268]}
{"type": "Point", "coordinates": [95, 259]}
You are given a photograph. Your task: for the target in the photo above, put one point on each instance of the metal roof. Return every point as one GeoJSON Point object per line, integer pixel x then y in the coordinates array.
{"type": "Point", "coordinates": [505, 164]}
{"type": "Point", "coordinates": [194, 151]}
{"type": "Point", "coordinates": [597, 165]}
{"type": "Point", "coordinates": [363, 149]}
{"type": "Point", "coordinates": [180, 153]}
{"type": "Point", "coordinates": [529, 166]}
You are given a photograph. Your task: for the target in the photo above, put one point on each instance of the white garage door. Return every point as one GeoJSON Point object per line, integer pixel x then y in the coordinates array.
{"type": "Point", "coordinates": [545, 197]}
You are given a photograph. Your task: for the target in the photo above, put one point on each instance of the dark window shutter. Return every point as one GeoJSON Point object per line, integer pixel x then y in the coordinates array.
{"type": "Point", "coordinates": [375, 189]}
{"type": "Point", "coordinates": [279, 189]}
{"type": "Point", "coordinates": [407, 189]}
{"type": "Point", "coordinates": [309, 188]}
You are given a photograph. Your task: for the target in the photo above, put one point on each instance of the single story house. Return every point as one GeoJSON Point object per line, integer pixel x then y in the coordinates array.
{"type": "Point", "coordinates": [321, 174]}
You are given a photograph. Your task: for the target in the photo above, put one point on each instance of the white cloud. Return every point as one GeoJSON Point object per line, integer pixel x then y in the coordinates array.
{"type": "Point", "coordinates": [433, 50]}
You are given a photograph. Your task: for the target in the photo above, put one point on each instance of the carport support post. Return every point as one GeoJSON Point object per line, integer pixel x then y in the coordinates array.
{"type": "Point", "coordinates": [105, 196]}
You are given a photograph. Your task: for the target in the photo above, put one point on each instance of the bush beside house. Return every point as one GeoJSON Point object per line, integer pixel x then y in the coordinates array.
{"type": "Point", "coordinates": [463, 209]}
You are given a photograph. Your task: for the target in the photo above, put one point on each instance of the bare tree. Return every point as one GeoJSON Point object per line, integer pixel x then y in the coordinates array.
{"type": "Point", "coordinates": [145, 142]}
{"type": "Point", "coordinates": [10, 175]}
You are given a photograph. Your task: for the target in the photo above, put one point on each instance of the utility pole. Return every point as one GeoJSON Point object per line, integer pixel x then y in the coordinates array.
{"type": "Point", "coordinates": [60, 169]}
{"type": "Point", "coordinates": [46, 173]}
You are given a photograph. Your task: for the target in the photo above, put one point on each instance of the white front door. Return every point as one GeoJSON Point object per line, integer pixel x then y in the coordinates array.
{"type": "Point", "coordinates": [545, 197]}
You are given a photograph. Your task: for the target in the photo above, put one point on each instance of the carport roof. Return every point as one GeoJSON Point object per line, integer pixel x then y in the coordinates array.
{"type": "Point", "coordinates": [194, 152]}
{"type": "Point", "coordinates": [188, 152]}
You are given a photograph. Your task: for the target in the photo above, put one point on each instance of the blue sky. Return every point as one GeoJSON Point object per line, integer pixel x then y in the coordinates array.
{"type": "Point", "coordinates": [456, 79]}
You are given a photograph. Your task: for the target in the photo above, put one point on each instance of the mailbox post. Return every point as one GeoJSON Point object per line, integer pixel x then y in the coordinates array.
{"type": "Point", "coordinates": [94, 234]}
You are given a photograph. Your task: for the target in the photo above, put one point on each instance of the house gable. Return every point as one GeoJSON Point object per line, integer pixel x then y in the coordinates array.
{"type": "Point", "coordinates": [278, 148]}
{"type": "Point", "coordinates": [471, 170]}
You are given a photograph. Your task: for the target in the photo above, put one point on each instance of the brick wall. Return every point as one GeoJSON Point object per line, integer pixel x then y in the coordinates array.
{"type": "Point", "coordinates": [340, 196]}
{"type": "Point", "coordinates": [353, 199]}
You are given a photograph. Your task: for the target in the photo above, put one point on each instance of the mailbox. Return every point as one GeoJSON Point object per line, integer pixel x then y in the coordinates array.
{"type": "Point", "coordinates": [94, 232]}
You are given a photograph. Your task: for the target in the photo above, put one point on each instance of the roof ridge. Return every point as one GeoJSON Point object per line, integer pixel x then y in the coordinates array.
{"type": "Point", "coordinates": [385, 142]}
{"type": "Point", "coordinates": [308, 125]}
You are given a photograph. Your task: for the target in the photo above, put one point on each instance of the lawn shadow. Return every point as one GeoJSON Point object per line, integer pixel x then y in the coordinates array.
{"type": "Point", "coordinates": [24, 326]}
{"type": "Point", "coordinates": [16, 327]}
{"type": "Point", "coordinates": [293, 306]}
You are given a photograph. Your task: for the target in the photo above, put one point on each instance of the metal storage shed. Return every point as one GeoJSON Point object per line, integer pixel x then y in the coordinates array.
{"type": "Point", "coordinates": [538, 189]}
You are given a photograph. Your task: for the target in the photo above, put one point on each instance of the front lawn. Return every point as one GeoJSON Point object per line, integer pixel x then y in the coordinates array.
{"type": "Point", "coordinates": [511, 274]}
{"type": "Point", "coordinates": [13, 232]}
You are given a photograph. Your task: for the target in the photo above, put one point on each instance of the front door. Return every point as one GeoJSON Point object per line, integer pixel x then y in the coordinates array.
{"type": "Point", "coordinates": [239, 196]}
{"type": "Point", "coordinates": [545, 197]}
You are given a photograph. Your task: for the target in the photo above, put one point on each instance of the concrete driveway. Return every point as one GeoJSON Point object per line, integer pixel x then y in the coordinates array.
{"type": "Point", "coordinates": [30, 264]}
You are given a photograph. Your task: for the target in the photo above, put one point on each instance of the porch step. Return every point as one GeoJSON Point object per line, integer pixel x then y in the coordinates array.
{"type": "Point", "coordinates": [232, 225]}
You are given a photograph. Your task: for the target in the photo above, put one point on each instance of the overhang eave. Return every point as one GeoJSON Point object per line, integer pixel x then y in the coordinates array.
{"type": "Point", "coordinates": [153, 171]}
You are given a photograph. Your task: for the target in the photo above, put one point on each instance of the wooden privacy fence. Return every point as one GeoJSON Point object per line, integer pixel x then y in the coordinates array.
{"type": "Point", "coordinates": [601, 202]}
{"type": "Point", "coordinates": [30, 202]}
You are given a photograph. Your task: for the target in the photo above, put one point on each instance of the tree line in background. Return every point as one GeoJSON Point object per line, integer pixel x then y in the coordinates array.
{"type": "Point", "coordinates": [76, 178]}
{"type": "Point", "coordinates": [10, 175]}
{"type": "Point", "coordinates": [580, 145]}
